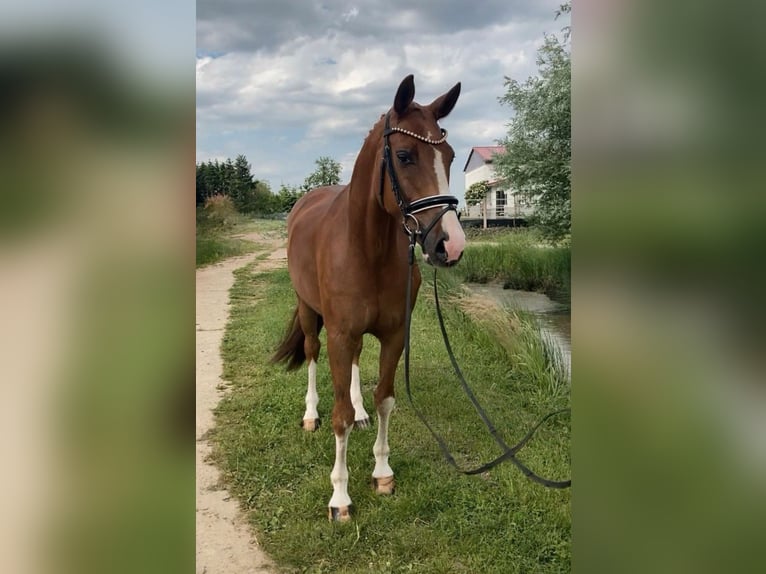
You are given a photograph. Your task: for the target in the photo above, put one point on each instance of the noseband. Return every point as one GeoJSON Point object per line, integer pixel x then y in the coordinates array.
{"type": "Point", "coordinates": [409, 209]}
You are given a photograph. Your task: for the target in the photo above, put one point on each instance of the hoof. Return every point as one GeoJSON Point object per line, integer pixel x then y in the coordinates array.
{"type": "Point", "coordinates": [383, 485]}
{"type": "Point", "coordinates": [363, 423]}
{"type": "Point", "coordinates": [310, 425]}
{"type": "Point", "coordinates": [342, 514]}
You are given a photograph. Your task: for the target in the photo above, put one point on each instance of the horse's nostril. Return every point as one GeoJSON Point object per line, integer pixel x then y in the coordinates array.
{"type": "Point", "coordinates": [441, 250]}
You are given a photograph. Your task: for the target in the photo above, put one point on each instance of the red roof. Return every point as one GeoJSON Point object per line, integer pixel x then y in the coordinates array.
{"type": "Point", "coordinates": [485, 153]}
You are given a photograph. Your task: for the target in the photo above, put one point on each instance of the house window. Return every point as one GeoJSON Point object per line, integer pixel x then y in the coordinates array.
{"type": "Point", "coordinates": [500, 202]}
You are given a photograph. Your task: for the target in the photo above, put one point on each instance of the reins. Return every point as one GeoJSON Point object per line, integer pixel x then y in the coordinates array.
{"type": "Point", "coordinates": [509, 452]}
{"type": "Point", "coordinates": [448, 203]}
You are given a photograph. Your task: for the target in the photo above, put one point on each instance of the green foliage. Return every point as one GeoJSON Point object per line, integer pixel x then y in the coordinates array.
{"type": "Point", "coordinates": [216, 222]}
{"type": "Point", "coordinates": [538, 145]}
{"type": "Point", "coordinates": [476, 193]}
{"type": "Point", "coordinates": [241, 184]}
{"type": "Point", "coordinates": [287, 197]}
{"type": "Point", "coordinates": [259, 200]}
{"type": "Point", "coordinates": [538, 359]}
{"type": "Point", "coordinates": [212, 246]}
{"type": "Point", "coordinates": [234, 179]}
{"type": "Point", "coordinates": [519, 261]}
{"type": "Point", "coordinates": [327, 173]}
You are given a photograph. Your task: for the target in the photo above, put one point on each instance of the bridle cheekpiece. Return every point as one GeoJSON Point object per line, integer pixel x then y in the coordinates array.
{"type": "Point", "coordinates": [409, 209]}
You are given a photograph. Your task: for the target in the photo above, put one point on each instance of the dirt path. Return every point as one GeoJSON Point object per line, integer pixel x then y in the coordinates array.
{"type": "Point", "coordinates": [225, 543]}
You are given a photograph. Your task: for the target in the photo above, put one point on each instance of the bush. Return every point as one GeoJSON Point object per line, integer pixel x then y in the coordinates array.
{"type": "Point", "coordinates": [218, 211]}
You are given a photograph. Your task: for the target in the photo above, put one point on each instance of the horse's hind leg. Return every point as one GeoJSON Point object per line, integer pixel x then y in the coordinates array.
{"type": "Point", "coordinates": [390, 351]}
{"type": "Point", "coordinates": [311, 323]}
{"type": "Point", "coordinates": [361, 418]}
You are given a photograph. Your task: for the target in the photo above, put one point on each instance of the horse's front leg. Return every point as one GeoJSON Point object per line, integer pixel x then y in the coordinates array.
{"type": "Point", "coordinates": [341, 350]}
{"type": "Point", "coordinates": [390, 352]}
{"type": "Point", "coordinates": [361, 418]}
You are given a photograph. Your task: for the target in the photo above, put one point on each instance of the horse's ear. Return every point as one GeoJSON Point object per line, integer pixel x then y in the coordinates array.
{"type": "Point", "coordinates": [405, 94]}
{"type": "Point", "coordinates": [442, 106]}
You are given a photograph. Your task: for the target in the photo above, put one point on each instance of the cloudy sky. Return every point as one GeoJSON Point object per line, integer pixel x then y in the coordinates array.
{"type": "Point", "coordinates": [285, 82]}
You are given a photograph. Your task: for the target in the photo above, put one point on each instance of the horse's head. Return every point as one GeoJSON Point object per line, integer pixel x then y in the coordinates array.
{"type": "Point", "coordinates": [415, 185]}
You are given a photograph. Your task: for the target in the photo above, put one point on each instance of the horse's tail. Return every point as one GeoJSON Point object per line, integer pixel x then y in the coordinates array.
{"type": "Point", "coordinates": [291, 349]}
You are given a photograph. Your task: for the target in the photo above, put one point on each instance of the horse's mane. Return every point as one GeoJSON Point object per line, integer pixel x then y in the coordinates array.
{"type": "Point", "coordinates": [380, 119]}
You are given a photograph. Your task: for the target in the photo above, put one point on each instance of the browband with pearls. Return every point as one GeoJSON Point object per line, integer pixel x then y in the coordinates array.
{"type": "Point", "coordinates": [418, 136]}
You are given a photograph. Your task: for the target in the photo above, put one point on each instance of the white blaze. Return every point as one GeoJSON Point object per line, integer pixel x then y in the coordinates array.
{"type": "Point", "coordinates": [450, 224]}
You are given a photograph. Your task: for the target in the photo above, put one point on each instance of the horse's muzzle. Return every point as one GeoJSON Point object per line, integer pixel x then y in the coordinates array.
{"type": "Point", "coordinates": [443, 239]}
{"type": "Point", "coordinates": [441, 255]}
{"type": "Point", "coordinates": [438, 252]}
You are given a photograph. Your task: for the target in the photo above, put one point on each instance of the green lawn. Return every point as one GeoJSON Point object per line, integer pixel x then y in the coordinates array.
{"type": "Point", "coordinates": [438, 520]}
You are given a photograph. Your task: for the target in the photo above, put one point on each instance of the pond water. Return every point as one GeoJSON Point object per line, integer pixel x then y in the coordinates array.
{"type": "Point", "coordinates": [555, 319]}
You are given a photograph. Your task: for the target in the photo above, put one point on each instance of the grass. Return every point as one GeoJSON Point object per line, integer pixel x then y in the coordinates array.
{"type": "Point", "coordinates": [214, 247]}
{"type": "Point", "coordinates": [438, 520]}
{"type": "Point", "coordinates": [535, 356]}
{"type": "Point", "coordinates": [218, 241]}
{"type": "Point", "coordinates": [518, 260]}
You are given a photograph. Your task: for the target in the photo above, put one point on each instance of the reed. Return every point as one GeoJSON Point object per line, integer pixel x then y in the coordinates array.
{"type": "Point", "coordinates": [518, 260]}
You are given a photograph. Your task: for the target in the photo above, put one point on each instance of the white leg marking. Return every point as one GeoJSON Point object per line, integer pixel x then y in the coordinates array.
{"type": "Point", "coordinates": [380, 449]}
{"type": "Point", "coordinates": [450, 224]}
{"type": "Point", "coordinates": [356, 395]}
{"type": "Point", "coordinates": [339, 474]}
{"type": "Point", "coordinates": [312, 398]}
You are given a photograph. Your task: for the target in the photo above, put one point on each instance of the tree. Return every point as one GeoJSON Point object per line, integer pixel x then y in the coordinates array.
{"type": "Point", "coordinates": [234, 179]}
{"type": "Point", "coordinates": [538, 145]}
{"type": "Point", "coordinates": [327, 173]}
{"type": "Point", "coordinates": [477, 193]}
{"type": "Point", "coordinates": [202, 188]}
{"type": "Point", "coordinates": [287, 196]}
{"type": "Point", "coordinates": [241, 183]}
{"type": "Point", "coordinates": [263, 201]}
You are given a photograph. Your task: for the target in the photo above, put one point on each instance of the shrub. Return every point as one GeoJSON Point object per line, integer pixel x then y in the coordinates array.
{"type": "Point", "coordinates": [218, 211]}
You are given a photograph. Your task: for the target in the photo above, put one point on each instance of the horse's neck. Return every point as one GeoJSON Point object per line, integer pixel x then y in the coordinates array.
{"type": "Point", "coordinates": [379, 234]}
{"type": "Point", "coordinates": [369, 224]}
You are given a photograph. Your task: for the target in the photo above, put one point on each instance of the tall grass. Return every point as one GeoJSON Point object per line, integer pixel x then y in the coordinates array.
{"type": "Point", "coordinates": [213, 247]}
{"type": "Point", "coordinates": [537, 360]}
{"type": "Point", "coordinates": [217, 220]}
{"type": "Point", "coordinates": [519, 261]}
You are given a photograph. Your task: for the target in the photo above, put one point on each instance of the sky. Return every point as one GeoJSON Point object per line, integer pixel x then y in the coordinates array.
{"type": "Point", "coordinates": [285, 82]}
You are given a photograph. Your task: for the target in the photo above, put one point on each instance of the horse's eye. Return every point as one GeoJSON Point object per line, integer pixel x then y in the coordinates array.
{"type": "Point", "coordinates": [404, 156]}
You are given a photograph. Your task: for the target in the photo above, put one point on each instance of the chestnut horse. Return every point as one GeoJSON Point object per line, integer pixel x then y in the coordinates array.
{"type": "Point", "coordinates": [347, 253]}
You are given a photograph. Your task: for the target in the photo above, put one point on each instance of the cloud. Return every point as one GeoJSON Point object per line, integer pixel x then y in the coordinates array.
{"type": "Point", "coordinates": [286, 82]}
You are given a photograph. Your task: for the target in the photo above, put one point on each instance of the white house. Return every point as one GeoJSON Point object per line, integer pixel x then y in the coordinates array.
{"type": "Point", "coordinates": [501, 201]}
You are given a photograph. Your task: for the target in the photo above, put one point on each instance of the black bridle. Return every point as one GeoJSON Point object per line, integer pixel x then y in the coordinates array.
{"type": "Point", "coordinates": [409, 209]}
{"type": "Point", "coordinates": [447, 203]}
